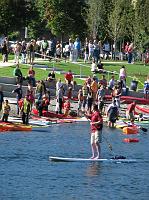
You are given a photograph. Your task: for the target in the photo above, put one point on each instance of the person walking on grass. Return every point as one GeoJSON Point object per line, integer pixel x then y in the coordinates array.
{"type": "Point", "coordinates": [96, 131]}
{"type": "Point", "coordinates": [4, 51]}
{"type": "Point", "coordinates": [17, 52]}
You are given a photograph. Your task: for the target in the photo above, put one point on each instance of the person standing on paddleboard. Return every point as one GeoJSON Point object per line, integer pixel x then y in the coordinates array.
{"type": "Point", "coordinates": [96, 131]}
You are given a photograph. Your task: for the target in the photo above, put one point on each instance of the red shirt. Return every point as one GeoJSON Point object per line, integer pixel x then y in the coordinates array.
{"type": "Point", "coordinates": [31, 73]}
{"type": "Point", "coordinates": [95, 117]}
{"type": "Point", "coordinates": [67, 105]}
{"type": "Point", "coordinates": [126, 48]}
{"type": "Point", "coordinates": [69, 76]}
{"type": "Point", "coordinates": [130, 49]}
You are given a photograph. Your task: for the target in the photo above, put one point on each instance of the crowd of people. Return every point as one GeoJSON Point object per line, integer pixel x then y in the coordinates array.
{"type": "Point", "coordinates": [89, 50]}
{"type": "Point", "coordinates": [90, 98]}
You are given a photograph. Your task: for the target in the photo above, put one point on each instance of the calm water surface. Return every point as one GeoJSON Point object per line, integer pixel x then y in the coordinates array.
{"type": "Point", "coordinates": [27, 174]}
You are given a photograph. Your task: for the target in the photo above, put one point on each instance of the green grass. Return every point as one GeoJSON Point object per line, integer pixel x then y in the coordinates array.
{"type": "Point", "coordinates": [137, 70]}
{"type": "Point", "coordinates": [134, 71]}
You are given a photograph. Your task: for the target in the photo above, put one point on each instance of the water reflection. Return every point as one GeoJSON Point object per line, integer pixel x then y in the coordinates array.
{"type": "Point", "coordinates": [94, 169]}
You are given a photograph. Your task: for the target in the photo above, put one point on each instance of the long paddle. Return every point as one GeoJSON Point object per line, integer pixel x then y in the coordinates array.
{"type": "Point", "coordinates": [111, 149]}
{"type": "Point", "coordinates": [143, 129]}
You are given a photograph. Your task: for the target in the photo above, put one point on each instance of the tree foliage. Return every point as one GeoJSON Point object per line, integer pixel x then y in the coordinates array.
{"type": "Point", "coordinates": [64, 17]}
{"type": "Point", "coordinates": [122, 20]}
{"type": "Point", "coordinates": [142, 23]}
{"type": "Point", "coordinates": [98, 14]}
{"type": "Point", "coordinates": [112, 19]}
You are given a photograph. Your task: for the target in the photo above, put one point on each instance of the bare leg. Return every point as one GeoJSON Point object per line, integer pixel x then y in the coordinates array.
{"type": "Point", "coordinates": [98, 150]}
{"type": "Point", "coordinates": [93, 146]}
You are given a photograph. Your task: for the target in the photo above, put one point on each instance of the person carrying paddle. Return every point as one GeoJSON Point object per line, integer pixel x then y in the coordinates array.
{"type": "Point", "coordinates": [96, 131]}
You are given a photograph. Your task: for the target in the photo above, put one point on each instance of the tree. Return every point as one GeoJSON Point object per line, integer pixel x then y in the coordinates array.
{"type": "Point", "coordinates": [6, 16]}
{"type": "Point", "coordinates": [97, 18]}
{"type": "Point", "coordinates": [122, 21]}
{"type": "Point", "coordinates": [64, 17]}
{"type": "Point", "coordinates": [16, 14]}
{"type": "Point", "coordinates": [142, 23]}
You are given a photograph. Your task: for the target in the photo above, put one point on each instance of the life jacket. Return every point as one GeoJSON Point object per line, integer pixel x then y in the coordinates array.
{"type": "Point", "coordinates": [20, 103]}
{"type": "Point", "coordinates": [85, 91]}
{"type": "Point", "coordinates": [31, 98]}
{"type": "Point", "coordinates": [26, 106]}
{"type": "Point", "coordinates": [6, 109]}
{"type": "Point", "coordinates": [67, 105]}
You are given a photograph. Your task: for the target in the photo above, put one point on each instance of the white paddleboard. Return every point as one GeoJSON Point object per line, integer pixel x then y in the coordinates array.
{"type": "Point", "coordinates": [62, 159]}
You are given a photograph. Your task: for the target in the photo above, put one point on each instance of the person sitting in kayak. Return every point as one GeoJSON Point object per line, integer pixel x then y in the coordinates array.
{"type": "Point", "coordinates": [112, 113]}
{"type": "Point", "coordinates": [130, 111]}
{"type": "Point", "coordinates": [131, 123]}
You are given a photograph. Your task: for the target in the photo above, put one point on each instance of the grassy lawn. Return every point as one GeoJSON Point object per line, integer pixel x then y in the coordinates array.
{"type": "Point", "coordinates": [137, 70]}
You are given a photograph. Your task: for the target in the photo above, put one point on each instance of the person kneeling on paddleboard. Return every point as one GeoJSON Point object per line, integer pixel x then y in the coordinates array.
{"type": "Point", "coordinates": [96, 131]}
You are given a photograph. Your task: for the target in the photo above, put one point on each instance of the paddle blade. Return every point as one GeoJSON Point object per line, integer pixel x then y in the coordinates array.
{"type": "Point", "coordinates": [143, 129]}
{"type": "Point", "coordinates": [119, 157]}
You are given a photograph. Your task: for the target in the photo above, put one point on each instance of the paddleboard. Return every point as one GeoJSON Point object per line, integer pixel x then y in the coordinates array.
{"type": "Point", "coordinates": [62, 159]}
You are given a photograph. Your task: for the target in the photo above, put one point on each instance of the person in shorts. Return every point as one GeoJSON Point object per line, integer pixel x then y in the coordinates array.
{"type": "Point", "coordinates": [96, 131]}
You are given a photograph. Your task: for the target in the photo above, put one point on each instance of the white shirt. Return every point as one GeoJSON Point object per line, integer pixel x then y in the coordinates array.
{"type": "Point", "coordinates": [93, 67]}
{"type": "Point", "coordinates": [91, 47]}
{"type": "Point", "coordinates": [58, 85]}
{"type": "Point", "coordinates": [122, 72]}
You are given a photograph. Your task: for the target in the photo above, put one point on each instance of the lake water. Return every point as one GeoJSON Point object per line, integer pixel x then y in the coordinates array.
{"type": "Point", "coordinates": [27, 174]}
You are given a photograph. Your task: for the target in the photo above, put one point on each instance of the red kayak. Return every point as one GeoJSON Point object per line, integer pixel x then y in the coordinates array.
{"type": "Point", "coordinates": [52, 114]}
{"type": "Point", "coordinates": [130, 99]}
